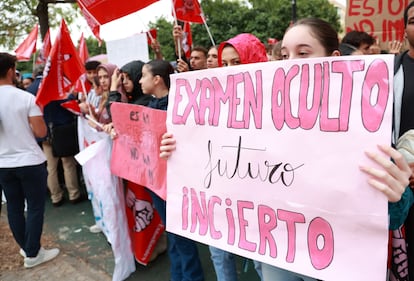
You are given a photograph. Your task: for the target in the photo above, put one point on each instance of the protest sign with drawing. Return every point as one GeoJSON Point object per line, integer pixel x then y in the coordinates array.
{"type": "Point", "coordinates": [267, 162]}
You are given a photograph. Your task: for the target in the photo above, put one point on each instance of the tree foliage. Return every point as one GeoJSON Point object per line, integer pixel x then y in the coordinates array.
{"type": "Point", "coordinates": [20, 16]}
{"type": "Point", "coordinates": [264, 18]}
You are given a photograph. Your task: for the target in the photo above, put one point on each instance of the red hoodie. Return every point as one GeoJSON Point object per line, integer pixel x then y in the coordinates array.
{"type": "Point", "coordinates": [248, 46]}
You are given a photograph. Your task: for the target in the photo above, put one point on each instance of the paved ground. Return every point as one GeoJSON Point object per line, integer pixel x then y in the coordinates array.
{"type": "Point", "coordinates": [88, 257]}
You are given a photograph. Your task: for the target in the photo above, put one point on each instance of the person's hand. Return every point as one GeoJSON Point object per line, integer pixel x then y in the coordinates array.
{"type": "Point", "coordinates": [155, 46]}
{"type": "Point", "coordinates": [116, 79]}
{"type": "Point", "coordinates": [374, 49]}
{"type": "Point", "coordinates": [411, 179]}
{"type": "Point", "coordinates": [177, 32]}
{"type": "Point", "coordinates": [144, 213]}
{"type": "Point", "coordinates": [182, 66]}
{"type": "Point", "coordinates": [167, 145]}
{"type": "Point", "coordinates": [394, 47]}
{"type": "Point", "coordinates": [84, 107]}
{"type": "Point", "coordinates": [110, 130]}
{"type": "Point", "coordinates": [392, 178]}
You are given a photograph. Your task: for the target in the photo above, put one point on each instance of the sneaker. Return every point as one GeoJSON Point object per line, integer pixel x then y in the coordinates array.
{"type": "Point", "coordinates": [95, 229]}
{"type": "Point", "coordinates": [42, 257]}
{"type": "Point", "coordinates": [22, 253]}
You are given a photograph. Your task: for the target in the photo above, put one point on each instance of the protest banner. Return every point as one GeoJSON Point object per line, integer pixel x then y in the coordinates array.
{"type": "Point", "coordinates": [267, 162]}
{"type": "Point", "coordinates": [381, 19]}
{"type": "Point", "coordinates": [108, 201]}
{"type": "Point", "coordinates": [136, 148]}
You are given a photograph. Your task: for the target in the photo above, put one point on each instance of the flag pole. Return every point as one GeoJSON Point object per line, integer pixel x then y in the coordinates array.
{"type": "Point", "coordinates": [208, 29]}
{"type": "Point", "coordinates": [34, 62]}
{"type": "Point", "coordinates": [146, 27]}
{"type": "Point", "coordinates": [176, 23]}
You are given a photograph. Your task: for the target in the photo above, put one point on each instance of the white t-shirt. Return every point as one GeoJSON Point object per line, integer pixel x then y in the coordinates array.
{"type": "Point", "coordinates": [18, 146]}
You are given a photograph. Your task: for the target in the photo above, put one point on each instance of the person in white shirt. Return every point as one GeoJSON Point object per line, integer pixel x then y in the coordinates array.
{"type": "Point", "coordinates": [23, 171]}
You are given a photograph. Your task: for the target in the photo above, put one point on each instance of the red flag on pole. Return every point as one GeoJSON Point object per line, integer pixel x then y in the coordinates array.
{"type": "Point", "coordinates": [92, 22]}
{"type": "Point", "coordinates": [187, 39]}
{"type": "Point", "coordinates": [188, 10]}
{"type": "Point", "coordinates": [44, 52]}
{"type": "Point", "coordinates": [80, 85]}
{"type": "Point", "coordinates": [83, 49]}
{"type": "Point", "coordinates": [28, 47]}
{"type": "Point", "coordinates": [62, 69]}
{"type": "Point", "coordinates": [108, 10]}
{"type": "Point", "coordinates": [151, 34]}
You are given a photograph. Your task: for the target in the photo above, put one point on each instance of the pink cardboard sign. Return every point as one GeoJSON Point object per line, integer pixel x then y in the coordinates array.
{"type": "Point", "coordinates": [267, 162]}
{"type": "Point", "coordinates": [135, 153]}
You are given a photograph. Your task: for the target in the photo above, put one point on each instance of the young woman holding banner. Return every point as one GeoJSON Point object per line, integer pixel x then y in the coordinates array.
{"type": "Point", "coordinates": [310, 38]}
{"type": "Point", "coordinates": [183, 252]}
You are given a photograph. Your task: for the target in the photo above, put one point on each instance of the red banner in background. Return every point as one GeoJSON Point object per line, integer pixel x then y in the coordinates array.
{"type": "Point", "coordinates": [188, 10]}
{"type": "Point", "coordinates": [28, 47]}
{"type": "Point", "coordinates": [62, 69]}
{"type": "Point", "coordinates": [105, 11]}
{"type": "Point", "coordinates": [187, 39]}
{"type": "Point", "coordinates": [46, 47]}
{"type": "Point", "coordinates": [83, 49]}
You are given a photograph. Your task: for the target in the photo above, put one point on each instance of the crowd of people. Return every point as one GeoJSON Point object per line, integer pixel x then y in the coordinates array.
{"type": "Point", "coordinates": [28, 164]}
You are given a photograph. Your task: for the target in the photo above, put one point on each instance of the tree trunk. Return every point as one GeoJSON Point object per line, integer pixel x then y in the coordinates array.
{"type": "Point", "coordinates": [43, 15]}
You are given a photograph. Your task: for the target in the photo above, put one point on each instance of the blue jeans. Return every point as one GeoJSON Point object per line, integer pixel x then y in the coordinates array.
{"type": "Point", "coordinates": [183, 252]}
{"type": "Point", "coordinates": [25, 183]}
{"type": "Point", "coordinates": [224, 264]}
{"type": "Point", "coordinates": [273, 273]}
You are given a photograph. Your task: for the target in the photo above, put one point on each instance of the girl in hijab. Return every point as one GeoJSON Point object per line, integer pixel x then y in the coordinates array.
{"type": "Point", "coordinates": [101, 114]}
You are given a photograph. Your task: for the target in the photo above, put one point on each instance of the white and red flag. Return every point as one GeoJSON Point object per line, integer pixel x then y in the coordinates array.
{"type": "Point", "coordinates": [104, 11]}
{"type": "Point", "coordinates": [62, 69]}
{"type": "Point", "coordinates": [188, 10]}
{"type": "Point", "coordinates": [28, 47]}
{"type": "Point", "coordinates": [187, 39]}
{"type": "Point", "coordinates": [45, 50]}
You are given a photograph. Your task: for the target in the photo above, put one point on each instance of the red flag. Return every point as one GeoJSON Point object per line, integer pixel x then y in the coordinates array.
{"type": "Point", "coordinates": [108, 10]}
{"type": "Point", "coordinates": [188, 10]}
{"type": "Point", "coordinates": [72, 106]}
{"type": "Point", "coordinates": [62, 69]}
{"type": "Point", "coordinates": [44, 52]}
{"type": "Point", "coordinates": [151, 34]}
{"type": "Point", "coordinates": [92, 22]}
{"type": "Point", "coordinates": [28, 46]}
{"type": "Point", "coordinates": [187, 39]}
{"type": "Point", "coordinates": [83, 49]}
{"type": "Point", "coordinates": [143, 239]}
